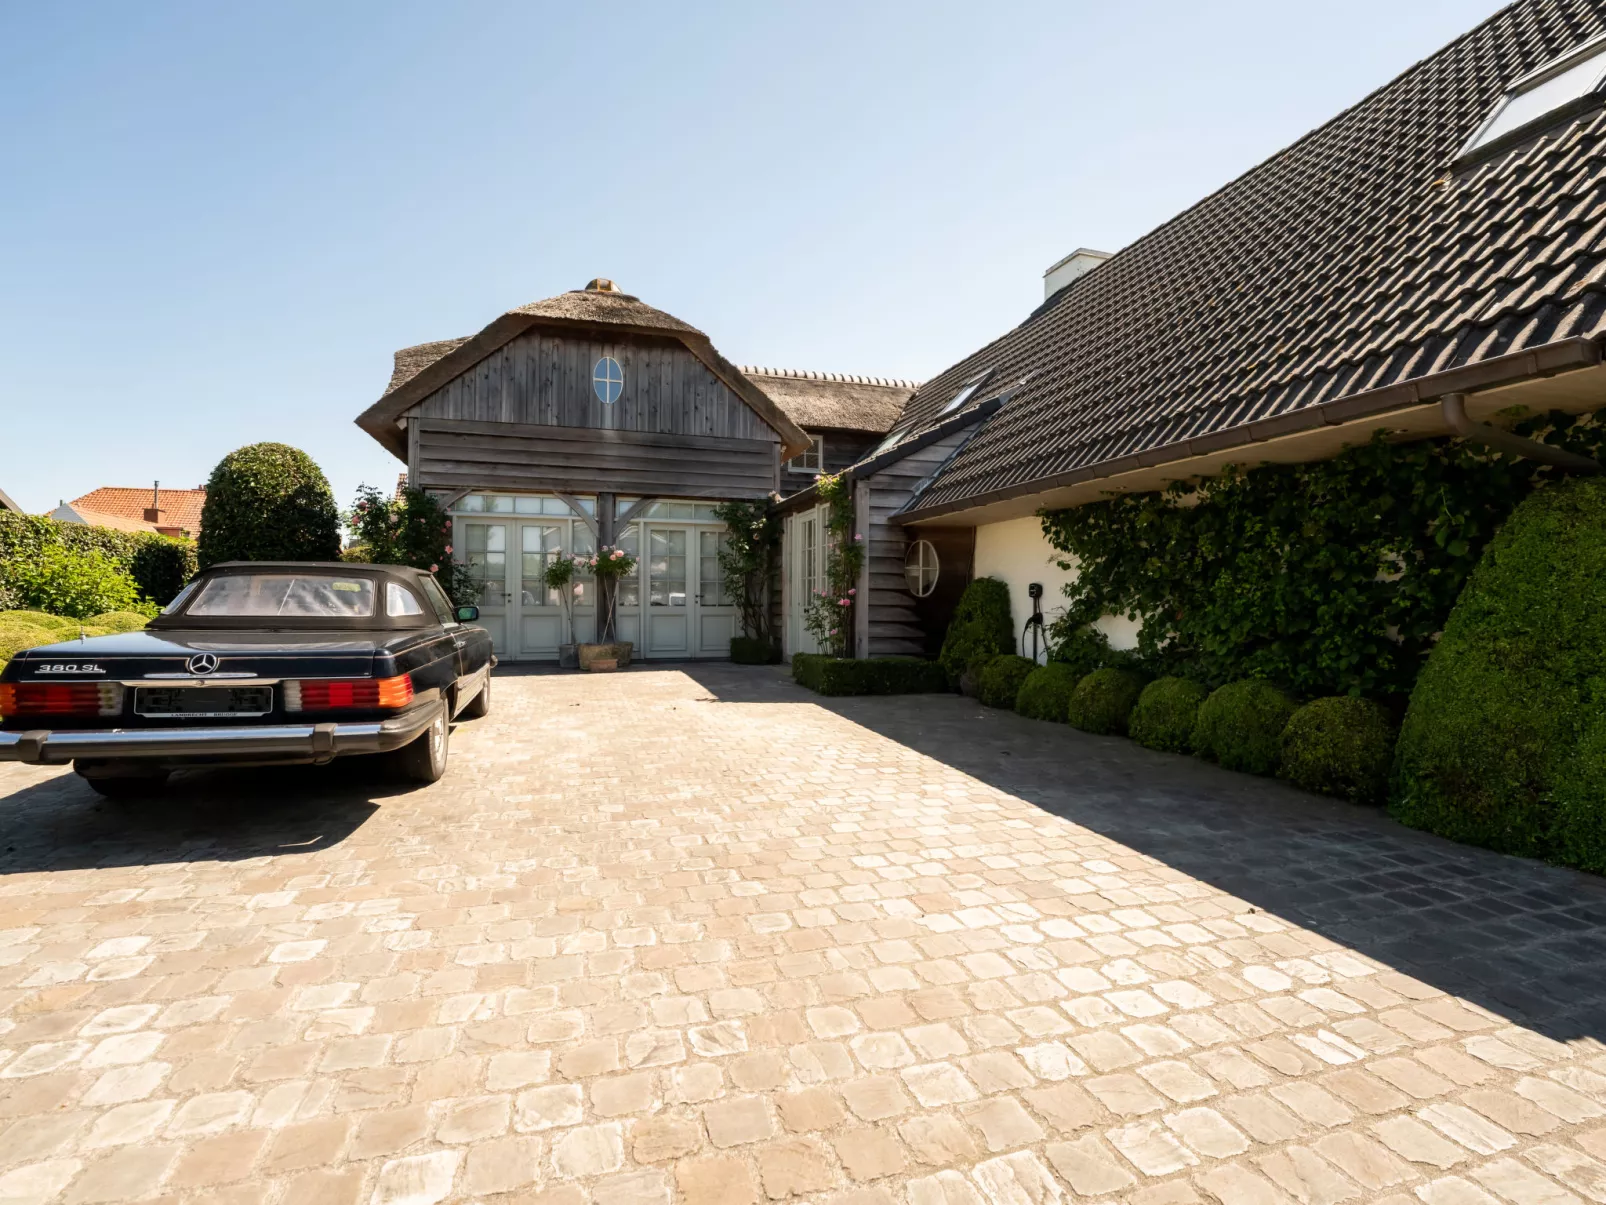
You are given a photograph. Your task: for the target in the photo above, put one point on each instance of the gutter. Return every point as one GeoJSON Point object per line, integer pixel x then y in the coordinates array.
{"type": "Point", "coordinates": [1547, 360]}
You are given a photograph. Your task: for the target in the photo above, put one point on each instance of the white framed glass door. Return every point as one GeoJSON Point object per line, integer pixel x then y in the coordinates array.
{"type": "Point", "coordinates": [669, 592]}
{"type": "Point", "coordinates": [486, 545]}
{"type": "Point", "coordinates": [716, 610]}
{"type": "Point", "coordinates": [541, 625]}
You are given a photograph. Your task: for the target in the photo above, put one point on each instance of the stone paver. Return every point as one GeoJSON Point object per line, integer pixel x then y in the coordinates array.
{"type": "Point", "coordinates": [692, 935]}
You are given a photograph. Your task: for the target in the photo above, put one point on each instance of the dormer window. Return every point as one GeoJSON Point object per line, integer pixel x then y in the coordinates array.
{"type": "Point", "coordinates": [1560, 89]}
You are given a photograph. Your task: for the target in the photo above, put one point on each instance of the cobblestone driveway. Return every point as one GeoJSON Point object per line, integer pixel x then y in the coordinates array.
{"type": "Point", "coordinates": [694, 936]}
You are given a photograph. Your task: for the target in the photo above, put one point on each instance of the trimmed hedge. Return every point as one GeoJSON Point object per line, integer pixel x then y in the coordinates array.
{"type": "Point", "coordinates": [73, 582]}
{"type": "Point", "coordinates": [28, 629]}
{"type": "Point", "coordinates": [1501, 744]}
{"type": "Point", "coordinates": [750, 650]}
{"type": "Point", "coordinates": [869, 676]}
{"type": "Point", "coordinates": [159, 565]}
{"type": "Point", "coordinates": [268, 502]}
{"type": "Point", "coordinates": [1241, 726]}
{"type": "Point", "coordinates": [1046, 691]}
{"type": "Point", "coordinates": [1103, 700]}
{"type": "Point", "coordinates": [981, 624]}
{"type": "Point", "coordinates": [1339, 746]}
{"type": "Point", "coordinates": [1165, 712]}
{"type": "Point", "coordinates": [1001, 679]}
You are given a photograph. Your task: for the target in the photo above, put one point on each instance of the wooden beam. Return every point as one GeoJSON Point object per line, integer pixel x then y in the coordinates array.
{"type": "Point", "coordinates": [574, 505]}
{"type": "Point", "coordinates": [450, 500]}
{"type": "Point", "coordinates": [636, 508]}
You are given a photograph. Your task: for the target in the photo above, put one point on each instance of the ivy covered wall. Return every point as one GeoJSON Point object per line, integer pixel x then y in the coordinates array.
{"type": "Point", "coordinates": [1327, 578]}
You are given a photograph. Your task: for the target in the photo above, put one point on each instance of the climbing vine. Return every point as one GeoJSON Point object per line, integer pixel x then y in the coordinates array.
{"type": "Point", "coordinates": [1326, 578]}
{"type": "Point", "coordinates": [747, 558]}
{"type": "Point", "coordinates": [828, 616]}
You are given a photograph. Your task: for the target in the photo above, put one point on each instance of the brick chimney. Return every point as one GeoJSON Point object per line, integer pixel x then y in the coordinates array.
{"type": "Point", "coordinates": [153, 512]}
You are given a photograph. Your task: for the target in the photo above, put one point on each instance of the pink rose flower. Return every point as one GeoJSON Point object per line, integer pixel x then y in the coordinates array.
{"type": "Point", "coordinates": [448, 549]}
{"type": "Point", "coordinates": [852, 590]}
{"type": "Point", "coordinates": [434, 568]}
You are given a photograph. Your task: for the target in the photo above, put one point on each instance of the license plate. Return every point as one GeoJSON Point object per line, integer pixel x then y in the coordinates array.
{"type": "Point", "coordinates": [203, 702]}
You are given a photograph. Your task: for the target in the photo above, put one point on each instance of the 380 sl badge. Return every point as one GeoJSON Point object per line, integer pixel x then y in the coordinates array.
{"type": "Point", "coordinates": [72, 667]}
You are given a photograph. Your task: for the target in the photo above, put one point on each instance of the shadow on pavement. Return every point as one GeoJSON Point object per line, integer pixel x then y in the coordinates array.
{"type": "Point", "coordinates": [200, 816]}
{"type": "Point", "coordinates": [1521, 938]}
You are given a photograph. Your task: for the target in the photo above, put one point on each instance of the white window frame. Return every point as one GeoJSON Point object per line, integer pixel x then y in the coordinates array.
{"type": "Point", "coordinates": [815, 452]}
{"type": "Point", "coordinates": [916, 565]}
{"type": "Point", "coordinates": [1476, 149]}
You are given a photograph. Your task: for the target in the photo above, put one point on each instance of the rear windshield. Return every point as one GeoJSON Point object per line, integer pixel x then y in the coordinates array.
{"type": "Point", "coordinates": [285, 595]}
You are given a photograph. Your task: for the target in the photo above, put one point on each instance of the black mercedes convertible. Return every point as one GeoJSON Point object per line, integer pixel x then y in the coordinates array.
{"type": "Point", "coordinates": [257, 663]}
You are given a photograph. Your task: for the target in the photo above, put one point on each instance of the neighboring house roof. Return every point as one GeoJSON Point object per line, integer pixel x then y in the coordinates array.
{"type": "Point", "coordinates": [834, 401]}
{"type": "Point", "coordinates": [7, 504]}
{"type": "Point", "coordinates": [1351, 262]}
{"type": "Point", "coordinates": [180, 508]}
{"type": "Point", "coordinates": [422, 369]}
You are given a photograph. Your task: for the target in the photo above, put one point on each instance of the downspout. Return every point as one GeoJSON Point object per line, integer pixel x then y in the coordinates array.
{"type": "Point", "coordinates": [1455, 413]}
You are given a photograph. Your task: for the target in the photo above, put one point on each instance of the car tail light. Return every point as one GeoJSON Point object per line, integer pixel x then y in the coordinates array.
{"type": "Point", "coordinates": [338, 694]}
{"type": "Point", "coordinates": [61, 698]}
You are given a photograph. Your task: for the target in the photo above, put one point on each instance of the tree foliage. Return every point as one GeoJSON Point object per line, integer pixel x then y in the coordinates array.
{"type": "Point", "coordinates": [747, 558]}
{"type": "Point", "coordinates": [410, 528]}
{"type": "Point", "coordinates": [1326, 578]}
{"type": "Point", "coordinates": [268, 502]}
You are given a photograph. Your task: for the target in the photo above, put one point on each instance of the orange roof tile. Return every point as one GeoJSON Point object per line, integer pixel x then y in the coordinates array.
{"type": "Point", "coordinates": [180, 508]}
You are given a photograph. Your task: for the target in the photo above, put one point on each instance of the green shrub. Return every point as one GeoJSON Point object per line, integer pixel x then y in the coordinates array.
{"type": "Point", "coordinates": [159, 565]}
{"type": "Point", "coordinates": [74, 583]}
{"type": "Point", "coordinates": [1103, 700]}
{"type": "Point", "coordinates": [981, 624]}
{"type": "Point", "coordinates": [1081, 647]}
{"type": "Point", "coordinates": [1001, 678]}
{"type": "Point", "coordinates": [268, 502]}
{"type": "Point", "coordinates": [1164, 714]}
{"type": "Point", "coordinates": [1241, 726]}
{"type": "Point", "coordinates": [39, 619]}
{"type": "Point", "coordinates": [749, 650]}
{"type": "Point", "coordinates": [1046, 691]}
{"type": "Point", "coordinates": [1339, 746]}
{"type": "Point", "coordinates": [119, 621]}
{"type": "Point", "coordinates": [869, 676]}
{"type": "Point", "coordinates": [1500, 745]}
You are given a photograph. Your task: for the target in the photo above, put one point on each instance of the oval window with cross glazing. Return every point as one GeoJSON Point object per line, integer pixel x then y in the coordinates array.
{"type": "Point", "coordinates": [608, 379]}
{"type": "Point", "coordinates": [920, 568]}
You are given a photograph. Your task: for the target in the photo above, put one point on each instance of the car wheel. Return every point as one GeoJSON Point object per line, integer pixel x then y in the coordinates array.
{"type": "Point", "coordinates": [480, 705]}
{"type": "Point", "coordinates": [424, 759]}
{"type": "Point", "coordinates": [126, 786]}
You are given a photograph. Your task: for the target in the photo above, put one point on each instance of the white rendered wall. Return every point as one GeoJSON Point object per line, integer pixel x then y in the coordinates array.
{"type": "Point", "coordinates": [1015, 552]}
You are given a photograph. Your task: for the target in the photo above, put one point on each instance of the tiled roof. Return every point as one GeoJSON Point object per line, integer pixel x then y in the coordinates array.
{"type": "Point", "coordinates": [1350, 261]}
{"type": "Point", "coordinates": [180, 508]}
{"type": "Point", "coordinates": [834, 400]}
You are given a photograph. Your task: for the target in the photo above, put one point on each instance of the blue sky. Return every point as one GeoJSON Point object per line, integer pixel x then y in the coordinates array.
{"type": "Point", "coordinates": [219, 220]}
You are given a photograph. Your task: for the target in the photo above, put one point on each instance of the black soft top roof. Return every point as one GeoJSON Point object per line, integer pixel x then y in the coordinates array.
{"type": "Point", "coordinates": [379, 621]}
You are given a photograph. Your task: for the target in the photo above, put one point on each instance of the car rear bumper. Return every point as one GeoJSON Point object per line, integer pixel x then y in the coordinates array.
{"type": "Point", "coordinates": [219, 745]}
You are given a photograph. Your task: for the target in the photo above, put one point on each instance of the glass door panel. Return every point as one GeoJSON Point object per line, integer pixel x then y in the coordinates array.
{"type": "Point", "coordinates": [716, 610]}
{"type": "Point", "coordinates": [668, 624]}
{"type": "Point", "coordinates": [541, 620]}
{"type": "Point", "coordinates": [484, 549]}
{"type": "Point", "coordinates": [627, 620]}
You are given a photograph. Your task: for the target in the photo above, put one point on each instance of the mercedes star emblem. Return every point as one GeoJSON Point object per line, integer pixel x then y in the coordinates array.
{"type": "Point", "coordinates": [201, 663]}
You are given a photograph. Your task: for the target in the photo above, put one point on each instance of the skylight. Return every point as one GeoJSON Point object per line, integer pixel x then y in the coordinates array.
{"type": "Point", "coordinates": [966, 393]}
{"type": "Point", "coordinates": [1559, 89]}
{"type": "Point", "coordinates": [892, 440]}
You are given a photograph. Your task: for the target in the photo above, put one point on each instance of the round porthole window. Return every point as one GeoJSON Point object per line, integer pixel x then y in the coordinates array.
{"type": "Point", "coordinates": [608, 379]}
{"type": "Point", "coordinates": [920, 568]}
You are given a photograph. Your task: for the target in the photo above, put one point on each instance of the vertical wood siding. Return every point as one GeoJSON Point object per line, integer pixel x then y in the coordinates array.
{"type": "Point", "coordinates": [544, 379]}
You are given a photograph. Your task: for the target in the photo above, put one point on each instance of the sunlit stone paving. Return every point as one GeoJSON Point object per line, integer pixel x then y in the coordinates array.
{"type": "Point", "coordinates": [695, 935]}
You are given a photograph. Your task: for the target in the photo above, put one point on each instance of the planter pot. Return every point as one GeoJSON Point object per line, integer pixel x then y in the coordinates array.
{"type": "Point", "coordinates": [568, 657]}
{"type": "Point", "coordinates": [618, 653]}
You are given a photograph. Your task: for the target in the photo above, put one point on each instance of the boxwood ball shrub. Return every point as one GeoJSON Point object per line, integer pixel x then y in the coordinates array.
{"type": "Point", "coordinates": [1001, 679]}
{"type": "Point", "coordinates": [268, 502]}
{"type": "Point", "coordinates": [1103, 700]}
{"type": "Point", "coordinates": [1164, 714]}
{"type": "Point", "coordinates": [1501, 744]}
{"type": "Point", "coordinates": [1241, 726]}
{"type": "Point", "coordinates": [1046, 691]}
{"type": "Point", "coordinates": [981, 624]}
{"type": "Point", "coordinates": [1340, 746]}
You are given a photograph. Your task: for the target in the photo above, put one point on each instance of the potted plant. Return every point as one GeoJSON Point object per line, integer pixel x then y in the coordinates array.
{"type": "Point", "coordinates": [607, 565]}
{"type": "Point", "coordinates": [559, 576]}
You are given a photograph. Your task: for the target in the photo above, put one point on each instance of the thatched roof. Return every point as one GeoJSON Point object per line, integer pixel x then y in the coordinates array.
{"type": "Point", "coordinates": [834, 401]}
{"type": "Point", "coordinates": [425, 367]}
